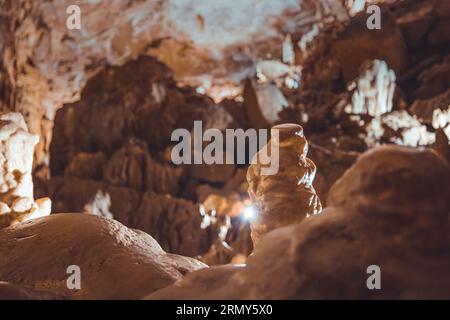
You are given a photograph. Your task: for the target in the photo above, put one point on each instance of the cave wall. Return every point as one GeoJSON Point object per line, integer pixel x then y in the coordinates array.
{"type": "Point", "coordinates": [45, 65]}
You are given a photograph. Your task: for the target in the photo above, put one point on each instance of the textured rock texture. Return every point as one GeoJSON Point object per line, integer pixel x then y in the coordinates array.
{"type": "Point", "coordinates": [361, 88]}
{"type": "Point", "coordinates": [175, 223]}
{"type": "Point", "coordinates": [428, 109]}
{"type": "Point", "coordinates": [389, 209]}
{"type": "Point", "coordinates": [105, 99]}
{"type": "Point", "coordinates": [263, 103]}
{"type": "Point", "coordinates": [44, 65]}
{"type": "Point", "coordinates": [16, 185]}
{"type": "Point", "coordinates": [115, 145]}
{"type": "Point", "coordinates": [287, 196]}
{"type": "Point", "coordinates": [374, 90]}
{"type": "Point", "coordinates": [351, 98]}
{"type": "Point", "coordinates": [115, 262]}
{"type": "Point", "coordinates": [10, 291]}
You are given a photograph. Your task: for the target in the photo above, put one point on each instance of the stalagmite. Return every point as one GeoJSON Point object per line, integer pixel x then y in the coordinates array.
{"type": "Point", "coordinates": [16, 184]}
{"type": "Point", "coordinates": [288, 196]}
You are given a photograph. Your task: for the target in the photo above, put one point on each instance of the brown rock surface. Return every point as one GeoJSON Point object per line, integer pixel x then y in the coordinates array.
{"type": "Point", "coordinates": [115, 262]}
{"type": "Point", "coordinates": [175, 223]}
{"type": "Point", "coordinates": [424, 109]}
{"type": "Point", "coordinates": [132, 166]}
{"type": "Point", "coordinates": [434, 80]}
{"type": "Point", "coordinates": [262, 103]}
{"type": "Point", "coordinates": [86, 165]}
{"type": "Point", "coordinates": [338, 52]}
{"type": "Point", "coordinates": [43, 64]}
{"type": "Point", "coordinates": [114, 147]}
{"type": "Point", "coordinates": [415, 21]}
{"type": "Point", "coordinates": [9, 291]}
{"type": "Point", "coordinates": [120, 103]}
{"type": "Point", "coordinates": [389, 209]}
{"type": "Point", "coordinates": [357, 44]}
{"type": "Point", "coordinates": [286, 196]}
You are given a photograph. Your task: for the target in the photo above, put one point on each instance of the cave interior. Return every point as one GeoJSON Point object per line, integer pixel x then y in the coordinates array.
{"type": "Point", "coordinates": [351, 97]}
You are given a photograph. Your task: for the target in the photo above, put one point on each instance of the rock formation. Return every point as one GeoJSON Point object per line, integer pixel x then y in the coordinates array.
{"type": "Point", "coordinates": [389, 209]}
{"type": "Point", "coordinates": [263, 103]}
{"type": "Point", "coordinates": [180, 34]}
{"type": "Point", "coordinates": [287, 196]}
{"type": "Point", "coordinates": [113, 145]}
{"type": "Point", "coordinates": [9, 291]}
{"type": "Point", "coordinates": [374, 89]}
{"type": "Point", "coordinates": [104, 101]}
{"type": "Point", "coordinates": [115, 262]}
{"type": "Point", "coordinates": [16, 185]}
{"type": "Point", "coordinates": [343, 55]}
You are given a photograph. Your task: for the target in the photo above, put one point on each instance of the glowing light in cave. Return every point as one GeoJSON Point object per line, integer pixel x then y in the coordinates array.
{"type": "Point", "coordinates": [249, 213]}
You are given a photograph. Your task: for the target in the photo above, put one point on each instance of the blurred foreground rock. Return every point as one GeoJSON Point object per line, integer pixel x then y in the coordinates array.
{"type": "Point", "coordinates": [115, 262]}
{"type": "Point", "coordinates": [10, 291]}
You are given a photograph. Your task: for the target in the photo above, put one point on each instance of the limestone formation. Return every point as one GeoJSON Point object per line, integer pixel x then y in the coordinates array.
{"type": "Point", "coordinates": [132, 166]}
{"type": "Point", "coordinates": [111, 147]}
{"type": "Point", "coordinates": [373, 90]}
{"type": "Point", "coordinates": [389, 209]}
{"type": "Point", "coordinates": [36, 47]}
{"type": "Point", "coordinates": [338, 52]}
{"type": "Point", "coordinates": [105, 100]}
{"type": "Point", "coordinates": [86, 165]}
{"type": "Point", "coordinates": [16, 186]}
{"type": "Point", "coordinates": [177, 224]}
{"type": "Point", "coordinates": [426, 109]}
{"type": "Point", "coordinates": [263, 102]}
{"type": "Point", "coordinates": [115, 262]}
{"type": "Point", "coordinates": [400, 128]}
{"type": "Point", "coordinates": [288, 196]}
{"type": "Point", "coordinates": [434, 80]}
